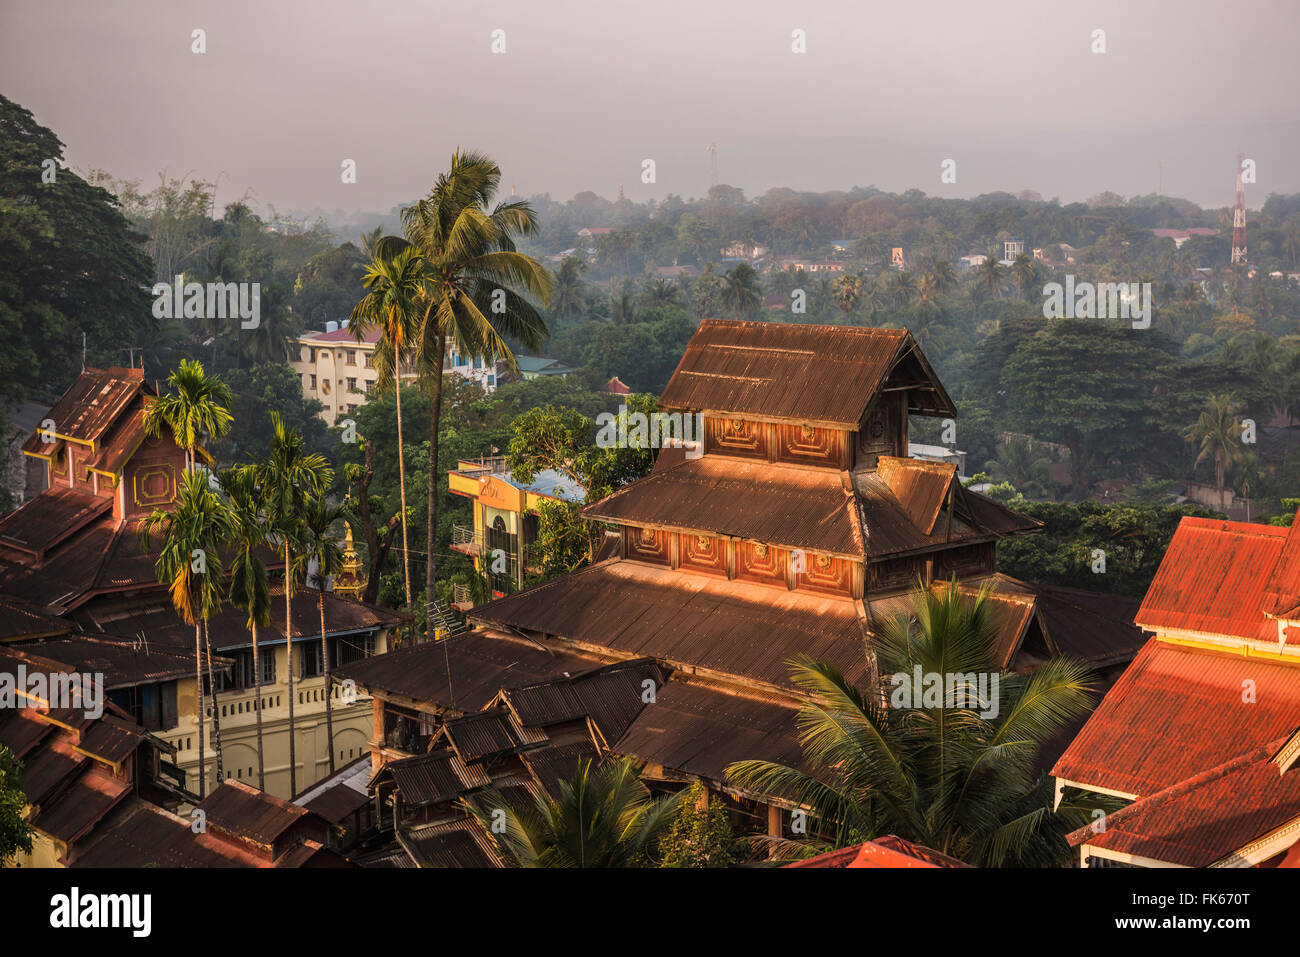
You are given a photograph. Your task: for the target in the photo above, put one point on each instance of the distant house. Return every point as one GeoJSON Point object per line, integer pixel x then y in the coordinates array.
{"type": "Point", "coordinates": [973, 261]}
{"type": "Point", "coordinates": [1011, 248]}
{"type": "Point", "coordinates": [1180, 236]}
{"type": "Point", "coordinates": [593, 232]}
{"type": "Point", "coordinates": [842, 245]}
{"type": "Point", "coordinates": [616, 386]}
{"type": "Point", "coordinates": [535, 367]}
{"type": "Point", "coordinates": [741, 249]}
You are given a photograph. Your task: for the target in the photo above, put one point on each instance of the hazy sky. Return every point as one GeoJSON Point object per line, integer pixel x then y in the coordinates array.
{"type": "Point", "coordinates": [587, 90]}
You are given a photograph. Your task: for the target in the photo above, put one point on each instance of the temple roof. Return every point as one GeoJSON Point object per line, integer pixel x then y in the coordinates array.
{"type": "Point", "coordinates": [91, 405]}
{"type": "Point", "coordinates": [827, 375]}
{"type": "Point", "coordinates": [892, 510]}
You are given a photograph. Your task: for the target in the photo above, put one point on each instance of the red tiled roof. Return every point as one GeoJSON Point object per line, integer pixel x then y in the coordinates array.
{"type": "Point", "coordinates": [1177, 711]}
{"type": "Point", "coordinates": [1208, 817]}
{"type": "Point", "coordinates": [370, 336]}
{"type": "Point", "coordinates": [1215, 577]}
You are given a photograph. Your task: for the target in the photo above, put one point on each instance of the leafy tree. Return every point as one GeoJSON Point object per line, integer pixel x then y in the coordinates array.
{"type": "Point", "coordinates": [950, 776]}
{"type": "Point", "coordinates": [255, 390]}
{"type": "Point", "coordinates": [71, 266]}
{"type": "Point", "coordinates": [15, 832]}
{"type": "Point", "coordinates": [1091, 386]}
{"type": "Point", "coordinates": [700, 835]}
{"type": "Point", "coordinates": [603, 817]}
{"type": "Point", "coordinates": [1133, 536]}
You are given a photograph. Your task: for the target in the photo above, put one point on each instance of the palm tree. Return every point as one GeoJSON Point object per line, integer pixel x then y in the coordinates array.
{"type": "Point", "coordinates": [196, 406]}
{"type": "Point", "coordinates": [1023, 273]}
{"type": "Point", "coordinates": [742, 294]}
{"type": "Point", "coordinates": [848, 290]}
{"type": "Point", "coordinates": [1021, 464]}
{"type": "Point", "coordinates": [902, 288]}
{"type": "Point", "coordinates": [394, 277]}
{"type": "Point", "coordinates": [288, 478]}
{"type": "Point", "coordinates": [320, 546]}
{"type": "Point", "coordinates": [990, 274]}
{"type": "Point", "coordinates": [189, 563]}
{"type": "Point", "coordinates": [569, 298]}
{"type": "Point", "coordinates": [603, 817]}
{"type": "Point", "coordinates": [956, 775]}
{"type": "Point", "coordinates": [475, 290]}
{"type": "Point", "coordinates": [1219, 435]}
{"type": "Point", "coordinates": [249, 587]}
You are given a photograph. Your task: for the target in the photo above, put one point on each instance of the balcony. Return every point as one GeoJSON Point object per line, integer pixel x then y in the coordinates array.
{"type": "Point", "coordinates": [466, 541]}
{"type": "Point", "coordinates": [461, 598]}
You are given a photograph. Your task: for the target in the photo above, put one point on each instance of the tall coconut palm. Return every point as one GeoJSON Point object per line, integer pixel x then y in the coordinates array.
{"type": "Point", "coordinates": [249, 587]}
{"type": "Point", "coordinates": [321, 547]}
{"type": "Point", "coordinates": [478, 292]}
{"type": "Point", "coordinates": [742, 294]}
{"type": "Point", "coordinates": [990, 275]}
{"type": "Point", "coordinates": [604, 817]}
{"type": "Point", "coordinates": [1023, 273]}
{"type": "Point", "coordinates": [197, 406]}
{"type": "Point", "coordinates": [570, 297]}
{"type": "Point", "coordinates": [1219, 435]}
{"type": "Point", "coordinates": [394, 278]}
{"type": "Point", "coordinates": [193, 532]}
{"type": "Point", "coordinates": [848, 290]}
{"type": "Point", "coordinates": [947, 772]}
{"type": "Point", "coordinates": [288, 478]}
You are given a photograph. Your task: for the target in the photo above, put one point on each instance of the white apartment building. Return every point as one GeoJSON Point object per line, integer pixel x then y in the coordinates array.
{"type": "Point", "coordinates": [340, 372]}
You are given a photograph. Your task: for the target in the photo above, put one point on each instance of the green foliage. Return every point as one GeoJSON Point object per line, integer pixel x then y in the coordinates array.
{"type": "Point", "coordinates": [603, 817]}
{"type": "Point", "coordinates": [700, 835]}
{"type": "Point", "coordinates": [15, 833]}
{"type": "Point", "coordinates": [1133, 536]}
{"type": "Point", "coordinates": [70, 265]}
{"type": "Point", "coordinates": [257, 389]}
{"type": "Point", "coordinates": [961, 780]}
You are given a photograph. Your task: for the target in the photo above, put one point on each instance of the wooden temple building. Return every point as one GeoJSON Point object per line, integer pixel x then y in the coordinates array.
{"type": "Point", "coordinates": [800, 526]}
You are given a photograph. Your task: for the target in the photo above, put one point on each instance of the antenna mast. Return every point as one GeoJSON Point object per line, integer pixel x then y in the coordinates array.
{"type": "Point", "coordinates": [712, 150]}
{"type": "Point", "coordinates": [1239, 218]}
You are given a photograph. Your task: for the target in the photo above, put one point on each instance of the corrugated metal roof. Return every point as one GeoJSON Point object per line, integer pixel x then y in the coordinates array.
{"type": "Point", "coordinates": [432, 778]}
{"type": "Point", "coordinates": [485, 735]}
{"type": "Point", "coordinates": [479, 667]}
{"type": "Point", "coordinates": [778, 504]}
{"type": "Point", "coordinates": [1164, 719]}
{"type": "Point", "coordinates": [806, 373]}
{"type": "Point", "coordinates": [49, 518]}
{"type": "Point", "coordinates": [459, 843]}
{"type": "Point", "coordinates": [729, 627]}
{"type": "Point", "coordinates": [1214, 579]}
{"type": "Point", "coordinates": [551, 765]}
{"type": "Point", "coordinates": [699, 730]}
{"type": "Point", "coordinates": [611, 696]}
{"type": "Point", "coordinates": [238, 809]}
{"type": "Point", "coordinates": [92, 403]}
{"type": "Point", "coordinates": [888, 851]}
{"type": "Point", "coordinates": [1208, 817]}
{"type": "Point", "coordinates": [921, 487]}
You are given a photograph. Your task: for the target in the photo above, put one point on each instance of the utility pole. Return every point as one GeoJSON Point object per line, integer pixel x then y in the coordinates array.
{"type": "Point", "coordinates": [712, 150]}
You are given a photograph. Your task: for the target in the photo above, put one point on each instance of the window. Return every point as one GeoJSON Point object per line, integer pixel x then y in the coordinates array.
{"type": "Point", "coordinates": [313, 355]}
{"type": "Point", "coordinates": [303, 354]}
{"type": "Point", "coordinates": [312, 663]}
{"type": "Point", "coordinates": [313, 382]}
{"type": "Point", "coordinates": [352, 383]}
{"type": "Point", "coordinates": [370, 386]}
{"type": "Point", "coordinates": [370, 360]}
{"type": "Point", "coordinates": [352, 357]}
{"type": "Point", "coordinates": [352, 648]}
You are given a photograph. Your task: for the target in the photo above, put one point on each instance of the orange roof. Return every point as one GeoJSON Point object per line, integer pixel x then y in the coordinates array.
{"type": "Point", "coordinates": [1177, 711]}
{"type": "Point", "coordinates": [1208, 817]}
{"type": "Point", "coordinates": [887, 851]}
{"type": "Point", "coordinates": [1220, 577]}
